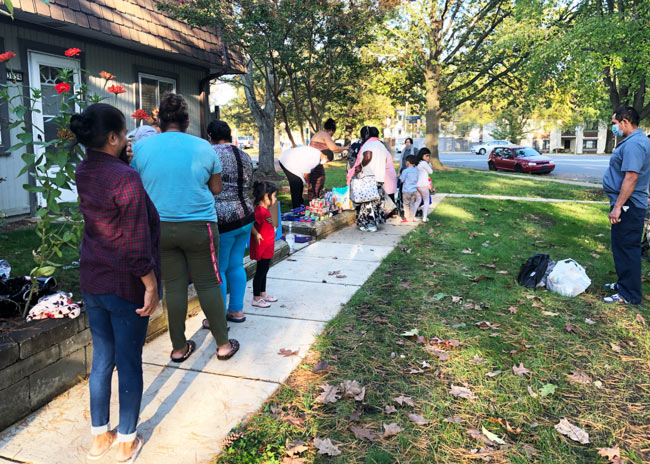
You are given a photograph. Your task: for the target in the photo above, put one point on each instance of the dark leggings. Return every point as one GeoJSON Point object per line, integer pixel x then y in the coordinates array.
{"type": "Point", "coordinates": [296, 186]}
{"type": "Point", "coordinates": [259, 281]}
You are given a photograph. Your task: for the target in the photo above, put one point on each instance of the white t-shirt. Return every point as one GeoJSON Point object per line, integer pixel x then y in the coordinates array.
{"type": "Point", "coordinates": [424, 169]}
{"type": "Point", "coordinates": [300, 160]}
{"type": "Point", "coordinates": [377, 165]}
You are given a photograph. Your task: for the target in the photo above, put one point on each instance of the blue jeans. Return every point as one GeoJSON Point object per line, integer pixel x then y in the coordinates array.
{"type": "Point", "coordinates": [118, 334]}
{"type": "Point", "coordinates": [232, 246]}
{"type": "Point", "coordinates": [626, 250]}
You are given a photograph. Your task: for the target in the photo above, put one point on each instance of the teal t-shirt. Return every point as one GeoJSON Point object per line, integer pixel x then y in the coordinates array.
{"type": "Point", "coordinates": [175, 168]}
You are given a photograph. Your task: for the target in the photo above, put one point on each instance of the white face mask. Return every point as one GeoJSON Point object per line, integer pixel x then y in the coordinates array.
{"type": "Point", "coordinates": [323, 161]}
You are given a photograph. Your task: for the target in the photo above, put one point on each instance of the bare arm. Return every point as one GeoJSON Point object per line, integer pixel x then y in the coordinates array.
{"type": "Point", "coordinates": [150, 294]}
{"type": "Point", "coordinates": [215, 184]}
{"type": "Point", "coordinates": [627, 188]}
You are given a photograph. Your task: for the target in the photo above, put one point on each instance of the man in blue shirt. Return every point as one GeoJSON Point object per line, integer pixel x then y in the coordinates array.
{"type": "Point", "coordinates": [626, 184]}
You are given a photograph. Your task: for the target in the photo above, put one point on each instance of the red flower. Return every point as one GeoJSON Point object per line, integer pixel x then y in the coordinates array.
{"type": "Point", "coordinates": [72, 52]}
{"type": "Point", "coordinates": [140, 114]}
{"type": "Point", "coordinates": [116, 89]}
{"type": "Point", "coordinates": [62, 87]}
{"type": "Point", "coordinates": [106, 75]}
{"type": "Point", "coordinates": [6, 56]}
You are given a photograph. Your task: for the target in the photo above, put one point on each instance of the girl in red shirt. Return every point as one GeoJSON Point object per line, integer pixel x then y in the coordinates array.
{"type": "Point", "coordinates": [262, 240]}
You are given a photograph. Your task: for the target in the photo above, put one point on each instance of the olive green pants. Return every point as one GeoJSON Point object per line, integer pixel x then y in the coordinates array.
{"type": "Point", "coordinates": [185, 253]}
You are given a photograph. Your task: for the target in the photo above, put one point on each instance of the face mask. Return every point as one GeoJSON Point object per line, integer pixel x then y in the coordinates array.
{"type": "Point", "coordinates": [616, 131]}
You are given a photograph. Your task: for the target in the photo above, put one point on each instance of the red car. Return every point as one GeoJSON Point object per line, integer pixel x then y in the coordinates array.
{"type": "Point", "coordinates": [519, 159]}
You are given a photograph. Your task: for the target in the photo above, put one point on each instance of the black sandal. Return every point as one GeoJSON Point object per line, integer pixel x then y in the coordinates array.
{"type": "Point", "coordinates": [234, 345]}
{"type": "Point", "coordinates": [235, 319]}
{"type": "Point", "coordinates": [191, 346]}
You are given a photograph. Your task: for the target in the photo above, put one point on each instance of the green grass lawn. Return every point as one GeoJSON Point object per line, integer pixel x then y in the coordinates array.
{"type": "Point", "coordinates": [419, 286]}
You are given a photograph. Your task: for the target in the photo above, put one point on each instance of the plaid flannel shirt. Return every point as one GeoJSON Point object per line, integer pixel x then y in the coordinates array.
{"type": "Point", "coordinates": [121, 238]}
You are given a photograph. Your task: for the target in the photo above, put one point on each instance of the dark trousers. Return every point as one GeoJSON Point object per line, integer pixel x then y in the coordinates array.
{"type": "Point", "coordinates": [626, 249]}
{"type": "Point", "coordinates": [259, 281]}
{"type": "Point", "coordinates": [295, 186]}
{"type": "Point", "coordinates": [118, 334]}
{"type": "Point", "coordinates": [316, 182]}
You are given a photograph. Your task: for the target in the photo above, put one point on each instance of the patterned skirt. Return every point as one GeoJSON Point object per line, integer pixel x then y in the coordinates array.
{"type": "Point", "coordinates": [372, 212]}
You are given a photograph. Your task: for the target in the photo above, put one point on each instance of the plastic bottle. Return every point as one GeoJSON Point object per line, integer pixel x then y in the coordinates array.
{"type": "Point", "coordinates": [291, 239]}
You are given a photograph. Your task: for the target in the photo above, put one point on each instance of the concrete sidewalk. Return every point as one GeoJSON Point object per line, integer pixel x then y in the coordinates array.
{"type": "Point", "coordinates": [188, 408]}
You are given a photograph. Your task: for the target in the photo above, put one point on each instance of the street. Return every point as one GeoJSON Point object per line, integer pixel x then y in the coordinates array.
{"type": "Point", "coordinates": [582, 167]}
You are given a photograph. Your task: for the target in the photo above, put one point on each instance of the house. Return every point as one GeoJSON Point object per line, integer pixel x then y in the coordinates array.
{"type": "Point", "coordinates": [147, 51]}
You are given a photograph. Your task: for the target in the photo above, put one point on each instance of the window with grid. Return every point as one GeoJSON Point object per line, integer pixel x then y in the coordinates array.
{"type": "Point", "coordinates": [590, 144]}
{"type": "Point", "coordinates": [152, 89]}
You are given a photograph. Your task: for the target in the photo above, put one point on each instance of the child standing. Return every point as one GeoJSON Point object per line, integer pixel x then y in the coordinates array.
{"type": "Point", "coordinates": [424, 169]}
{"type": "Point", "coordinates": [262, 240]}
{"type": "Point", "coordinates": [409, 179]}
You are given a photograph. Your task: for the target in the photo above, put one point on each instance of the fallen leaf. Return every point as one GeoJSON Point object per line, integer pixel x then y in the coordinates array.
{"type": "Point", "coordinates": [296, 447]}
{"type": "Point", "coordinates": [521, 370]}
{"type": "Point", "coordinates": [361, 432]}
{"type": "Point", "coordinates": [286, 353]}
{"type": "Point", "coordinates": [480, 278]}
{"type": "Point", "coordinates": [569, 327]}
{"type": "Point", "coordinates": [590, 321]}
{"type": "Point", "coordinates": [613, 454]}
{"type": "Point", "coordinates": [320, 366]}
{"type": "Point", "coordinates": [532, 392]}
{"type": "Point", "coordinates": [326, 447]}
{"type": "Point", "coordinates": [477, 360]}
{"type": "Point", "coordinates": [390, 409]}
{"type": "Point", "coordinates": [478, 435]}
{"type": "Point", "coordinates": [615, 347]}
{"type": "Point", "coordinates": [341, 276]}
{"type": "Point", "coordinates": [456, 299]}
{"type": "Point", "coordinates": [293, 459]}
{"type": "Point", "coordinates": [595, 255]}
{"type": "Point", "coordinates": [333, 273]}
{"type": "Point", "coordinates": [296, 421]}
{"type": "Point", "coordinates": [391, 429]}
{"type": "Point", "coordinates": [489, 266]}
{"type": "Point", "coordinates": [347, 329]}
{"type": "Point", "coordinates": [574, 432]}
{"type": "Point", "coordinates": [485, 325]}
{"type": "Point", "coordinates": [454, 419]}
{"type": "Point", "coordinates": [419, 420]}
{"type": "Point", "coordinates": [503, 272]}
{"type": "Point", "coordinates": [441, 354]}
{"type": "Point", "coordinates": [513, 309]}
{"type": "Point", "coordinates": [355, 417]}
{"type": "Point", "coordinates": [467, 251]}
{"type": "Point", "coordinates": [537, 304]}
{"type": "Point", "coordinates": [640, 319]}
{"type": "Point", "coordinates": [402, 400]}
{"type": "Point", "coordinates": [405, 284]}
{"type": "Point", "coordinates": [492, 437]}
{"type": "Point", "coordinates": [492, 374]}
{"type": "Point", "coordinates": [415, 371]}
{"type": "Point", "coordinates": [550, 313]}
{"type": "Point", "coordinates": [425, 365]}
{"type": "Point", "coordinates": [547, 389]}
{"type": "Point", "coordinates": [577, 376]}
{"type": "Point", "coordinates": [462, 392]}
{"type": "Point", "coordinates": [410, 333]}
{"type": "Point", "coordinates": [598, 384]}
{"type": "Point", "coordinates": [352, 389]}
{"type": "Point", "coordinates": [330, 394]}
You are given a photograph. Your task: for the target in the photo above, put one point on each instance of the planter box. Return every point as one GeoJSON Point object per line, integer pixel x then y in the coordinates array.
{"type": "Point", "coordinates": [321, 229]}
{"type": "Point", "coordinates": [40, 360]}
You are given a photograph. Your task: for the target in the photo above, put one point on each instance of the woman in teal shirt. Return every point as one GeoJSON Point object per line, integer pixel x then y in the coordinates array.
{"type": "Point", "coordinates": [181, 174]}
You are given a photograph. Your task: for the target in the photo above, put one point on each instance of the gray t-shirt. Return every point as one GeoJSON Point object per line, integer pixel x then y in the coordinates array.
{"type": "Point", "coordinates": [632, 154]}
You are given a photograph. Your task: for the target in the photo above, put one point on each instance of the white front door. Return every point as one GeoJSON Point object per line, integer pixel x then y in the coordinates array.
{"type": "Point", "coordinates": [44, 72]}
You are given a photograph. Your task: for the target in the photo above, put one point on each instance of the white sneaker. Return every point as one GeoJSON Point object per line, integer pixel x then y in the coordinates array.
{"type": "Point", "coordinates": [372, 228]}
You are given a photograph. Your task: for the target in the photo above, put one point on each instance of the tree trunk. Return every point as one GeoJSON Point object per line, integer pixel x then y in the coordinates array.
{"type": "Point", "coordinates": [433, 115]}
{"type": "Point", "coordinates": [265, 119]}
{"type": "Point", "coordinates": [609, 142]}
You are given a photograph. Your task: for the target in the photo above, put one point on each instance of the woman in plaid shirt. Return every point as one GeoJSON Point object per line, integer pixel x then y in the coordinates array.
{"type": "Point", "coordinates": [120, 273]}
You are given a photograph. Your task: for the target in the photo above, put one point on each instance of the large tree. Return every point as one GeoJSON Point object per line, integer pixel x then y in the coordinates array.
{"type": "Point", "coordinates": [447, 52]}
{"type": "Point", "coordinates": [306, 51]}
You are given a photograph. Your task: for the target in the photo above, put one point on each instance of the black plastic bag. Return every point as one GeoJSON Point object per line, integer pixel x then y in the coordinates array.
{"type": "Point", "coordinates": [533, 270]}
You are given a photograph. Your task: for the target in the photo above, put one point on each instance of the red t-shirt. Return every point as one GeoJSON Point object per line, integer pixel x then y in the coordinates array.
{"type": "Point", "coordinates": [264, 225]}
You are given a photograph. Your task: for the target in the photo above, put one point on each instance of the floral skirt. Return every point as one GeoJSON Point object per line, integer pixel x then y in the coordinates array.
{"type": "Point", "coordinates": [372, 212]}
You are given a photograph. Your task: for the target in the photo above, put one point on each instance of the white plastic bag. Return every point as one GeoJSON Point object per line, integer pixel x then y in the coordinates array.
{"type": "Point", "coordinates": [568, 278]}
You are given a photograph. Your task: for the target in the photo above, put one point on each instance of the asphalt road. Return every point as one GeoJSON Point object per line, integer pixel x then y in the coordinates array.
{"type": "Point", "coordinates": [582, 167]}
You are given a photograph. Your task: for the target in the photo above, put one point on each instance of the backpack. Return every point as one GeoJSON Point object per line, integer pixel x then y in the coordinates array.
{"type": "Point", "coordinates": [533, 270]}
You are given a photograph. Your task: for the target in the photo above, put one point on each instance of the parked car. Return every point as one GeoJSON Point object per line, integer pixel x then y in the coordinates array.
{"type": "Point", "coordinates": [244, 141]}
{"type": "Point", "coordinates": [519, 159]}
{"type": "Point", "coordinates": [483, 148]}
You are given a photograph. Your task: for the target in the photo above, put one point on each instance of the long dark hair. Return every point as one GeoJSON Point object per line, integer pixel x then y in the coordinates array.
{"type": "Point", "coordinates": [261, 188]}
{"type": "Point", "coordinates": [92, 126]}
{"type": "Point", "coordinates": [423, 151]}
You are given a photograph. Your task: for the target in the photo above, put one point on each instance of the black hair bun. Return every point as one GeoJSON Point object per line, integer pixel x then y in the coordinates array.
{"type": "Point", "coordinates": [82, 127]}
